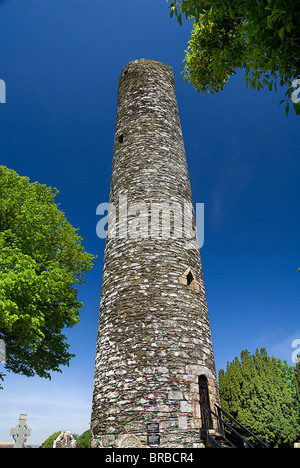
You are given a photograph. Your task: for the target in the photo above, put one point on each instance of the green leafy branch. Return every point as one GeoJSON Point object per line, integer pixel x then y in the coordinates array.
{"type": "Point", "coordinates": [259, 37]}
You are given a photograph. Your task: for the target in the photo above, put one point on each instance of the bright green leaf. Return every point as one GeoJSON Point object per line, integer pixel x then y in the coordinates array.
{"type": "Point", "coordinates": [260, 37]}
{"type": "Point", "coordinates": [281, 33]}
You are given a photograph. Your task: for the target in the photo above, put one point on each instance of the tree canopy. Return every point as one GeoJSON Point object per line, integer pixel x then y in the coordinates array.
{"type": "Point", "coordinates": [296, 383]}
{"type": "Point", "coordinates": [41, 262]}
{"type": "Point", "coordinates": [262, 37]}
{"type": "Point", "coordinates": [261, 393]}
{"type": "Point", "coordinates": [48, 443]}
{"type": "Point", "coordinates": [82, 441]}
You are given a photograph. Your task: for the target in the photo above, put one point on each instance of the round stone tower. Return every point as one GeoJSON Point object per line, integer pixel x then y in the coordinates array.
{"type": "Point", "coordinates": [154, 356]}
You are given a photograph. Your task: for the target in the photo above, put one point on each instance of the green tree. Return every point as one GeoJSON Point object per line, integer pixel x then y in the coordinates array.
{"type": "Point", "coordinates": [262, 37]}
{"type": "Point", "coordinates": [48, 443]}
{"type": "Point", "coordinates": [296, 382]}
{"type": "Point", "coordinates": [256, 390]}
{"type": "Point", "coordinates": [41, 262]}
{"type": "Point", "coordinates": [288, 378]}
{"type": "Point", "coordinates": [83, 440]}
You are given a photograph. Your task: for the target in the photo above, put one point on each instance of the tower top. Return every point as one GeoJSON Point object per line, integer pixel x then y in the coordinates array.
{"type": "Point", "coordinates": [147, 67]}
{"type": "Point", "coordinates": [146, 63]}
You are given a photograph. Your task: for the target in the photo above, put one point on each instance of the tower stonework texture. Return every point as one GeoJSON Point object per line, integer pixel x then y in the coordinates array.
{"type": "Point", "coordinates": [154, 350]}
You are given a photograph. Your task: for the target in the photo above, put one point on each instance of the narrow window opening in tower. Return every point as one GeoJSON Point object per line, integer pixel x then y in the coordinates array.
{"type": "Point", "coordinates": [121, 138]}
{"type": "Point", "coordinates": [171, 224]}
{"type": "Point", "coordinates": [190, 278]}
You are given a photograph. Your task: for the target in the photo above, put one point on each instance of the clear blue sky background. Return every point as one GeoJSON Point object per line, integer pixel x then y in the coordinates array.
{"type": "Point", "coordinates": [61, 61]}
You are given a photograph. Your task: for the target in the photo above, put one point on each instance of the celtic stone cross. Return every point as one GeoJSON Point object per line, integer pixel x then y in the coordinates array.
{"type": "Point", "coordinates": [20, 432]}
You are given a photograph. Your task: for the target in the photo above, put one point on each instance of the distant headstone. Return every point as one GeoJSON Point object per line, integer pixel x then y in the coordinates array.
{"type": "Point", "coordinates": [64, 440]}
{"type": "Point", "coordinates": [20, 432]}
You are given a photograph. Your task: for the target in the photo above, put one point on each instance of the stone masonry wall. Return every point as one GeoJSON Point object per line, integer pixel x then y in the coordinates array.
{"type": "Point", "coordinates": [154, 335]}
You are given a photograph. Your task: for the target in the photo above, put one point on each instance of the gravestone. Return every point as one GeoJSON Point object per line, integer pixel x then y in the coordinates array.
{"type": "Point", "coordinates": [64, 440]}
{"type": "Point", "coordinates": [20, 432]}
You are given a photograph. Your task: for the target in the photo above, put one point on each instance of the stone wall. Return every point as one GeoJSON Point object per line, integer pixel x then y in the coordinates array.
{"type": "Point", "coordinates": [154, 335]}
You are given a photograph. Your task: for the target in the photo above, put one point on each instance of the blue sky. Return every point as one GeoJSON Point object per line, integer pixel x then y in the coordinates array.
{"type": "Point", "coordinates": [61, 60]}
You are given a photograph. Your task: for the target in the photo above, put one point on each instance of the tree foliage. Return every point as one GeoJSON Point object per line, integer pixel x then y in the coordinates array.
{"type": "Point", "coordinates": [296, 383]}
{"type": "Point", "coordinates": [41, 262]}
{"type": "Point", "coordinates": [48, 443]}
{"type": "Point", "coordinates": [260, 393]}
{"type": "Point", "coordinates": [260, 36]}
{"type": "Point", "coordinates": [82, 441]}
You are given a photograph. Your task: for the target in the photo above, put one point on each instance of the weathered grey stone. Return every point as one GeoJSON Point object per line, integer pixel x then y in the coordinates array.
{"type": "Point", "coordinates": [182, 422]}
{"type": "Point", "coordinates": [175, 395]}
{"type": "Point", "coordinates": [154, 334]}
